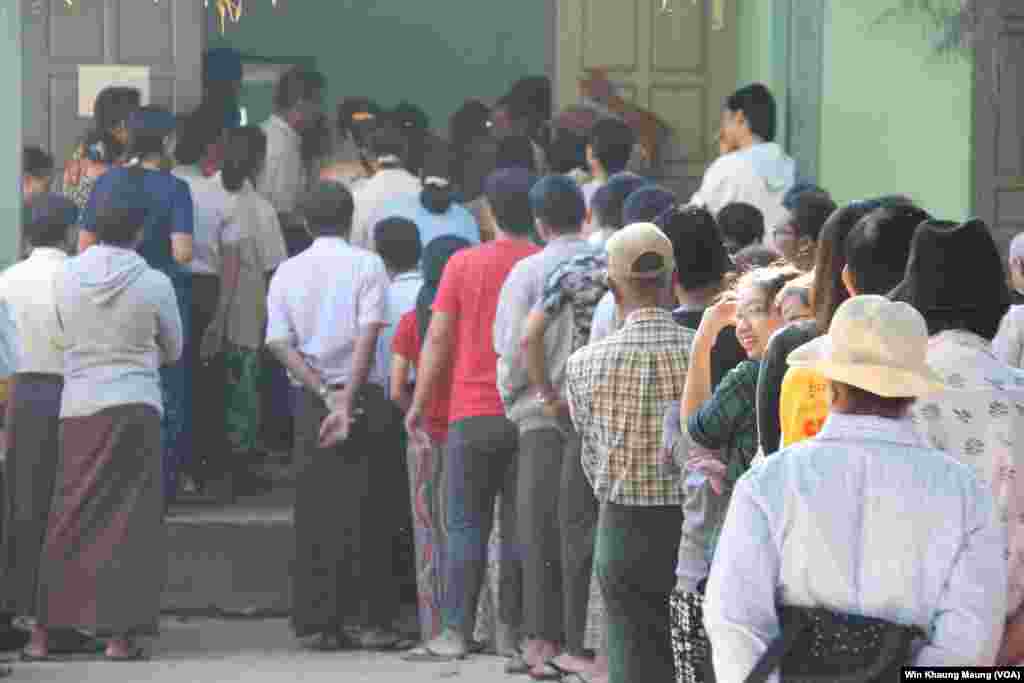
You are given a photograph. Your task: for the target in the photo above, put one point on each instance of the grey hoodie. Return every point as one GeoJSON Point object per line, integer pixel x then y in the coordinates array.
{"type": "Point", "coordinates": [117, 321]}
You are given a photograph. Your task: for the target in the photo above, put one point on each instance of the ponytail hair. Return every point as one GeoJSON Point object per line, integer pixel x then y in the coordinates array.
{"type": "Point", "coordinates": [244, 154]}
{"type": "Point", "coordinates": [437, 195]}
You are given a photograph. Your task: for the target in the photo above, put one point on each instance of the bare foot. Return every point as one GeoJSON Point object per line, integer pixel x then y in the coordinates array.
{"type": "Point", "coordinates": [544, 651]}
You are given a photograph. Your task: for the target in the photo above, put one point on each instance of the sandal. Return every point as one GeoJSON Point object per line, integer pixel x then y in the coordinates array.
{"type": "Point", "coordinates": [516, 665]}
{"type": "Point", "coordinates": [423, 653]}
{"type": "Point", "coordinates": [549, 672]}
{"type": "Point", "coordinates": [28, 657]}
{"type": "Point", "coordinates": [135, 654]}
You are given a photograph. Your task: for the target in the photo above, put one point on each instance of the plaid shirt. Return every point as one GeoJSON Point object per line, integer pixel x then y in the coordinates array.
{"type": "Point", "coordinates": [618, 390]}
{"type": "Point", "coordinates": [727, 421]}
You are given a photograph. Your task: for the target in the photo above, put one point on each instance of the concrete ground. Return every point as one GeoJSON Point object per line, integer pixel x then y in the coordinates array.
{"type": "Point", "coordinates": [207, 651]}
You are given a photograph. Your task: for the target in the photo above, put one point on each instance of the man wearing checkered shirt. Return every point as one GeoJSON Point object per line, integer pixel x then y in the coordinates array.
{"type": "Point", "coordinates": [618, 390]}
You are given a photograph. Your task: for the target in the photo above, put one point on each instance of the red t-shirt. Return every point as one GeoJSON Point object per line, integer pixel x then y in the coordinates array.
{"type": "Point", "coordinates": [468, 294]}
{"type": "Point", "coordinates": [407, 344]}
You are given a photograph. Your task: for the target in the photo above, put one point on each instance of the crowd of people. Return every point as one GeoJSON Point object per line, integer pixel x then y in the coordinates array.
{"type": "Point", "coordinates": [609, 432]}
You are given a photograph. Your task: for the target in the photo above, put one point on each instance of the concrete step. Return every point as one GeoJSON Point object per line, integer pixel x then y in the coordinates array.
{"type": "Point", "coordinates": [231, 560]}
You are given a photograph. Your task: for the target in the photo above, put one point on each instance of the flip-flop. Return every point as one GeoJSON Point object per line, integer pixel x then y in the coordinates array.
{"type": "Point", "coordinates": [516, 665]}
{"type": "Point", "coordinates": [549, 672]}
{"type": "Point", "coordinates": [425, 654]}
{"type": "Point", "coordinates": [28, 657]}
{"type": "Point", "coordinates": [135, 654]}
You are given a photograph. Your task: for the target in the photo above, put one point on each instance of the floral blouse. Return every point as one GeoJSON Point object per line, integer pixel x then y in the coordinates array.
{"type": "Point", "coordinates": [979, 420]}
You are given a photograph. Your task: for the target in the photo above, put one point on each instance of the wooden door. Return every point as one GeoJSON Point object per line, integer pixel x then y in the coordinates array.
{"type": "Point", "coordinates": [999, 118]}
{"type": "Point", "coordinates": [165, 35]}
{"type": "Point", "coordinates": [680, 64]}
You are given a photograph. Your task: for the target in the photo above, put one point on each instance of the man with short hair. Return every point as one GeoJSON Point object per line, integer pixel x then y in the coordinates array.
{"type": "Point", "coordinates": [609, 149]}
{"type": "Point", "coordinates": [325, 311]}
{"type": "Point", "coordinates": [618, 390]}
{"type": "Point", "coordinates": [480, 457]}
{"type": "Point", "coordinates": [868, 495]}
{"type": "Point", "coordinates": [796, 237]}
{"type": "Point", "coordinates": [755, 169]}
{"type": "Point", "coordinates": [544, 440]}
{"type": "Point", "coordinates": [298, 102]}
{"type": "Point", "coordinates": [397, 240]}
{"type": "Point", "coordinates": [390, 181]}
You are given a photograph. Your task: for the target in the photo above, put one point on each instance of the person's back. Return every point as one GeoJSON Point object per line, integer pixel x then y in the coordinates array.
{"type": "Point", "coordinates": [111, 307]}
{"type": "Point", "coordinates": [471, 288]}
{"type": "Point", "coordinates": [449, 218]}
{"type": "Point", "coordinates": [169, 209]}
{"type": "Point", "coordinates": [318, 297]}
{"type": "Point", "coordinates": [889, 518]}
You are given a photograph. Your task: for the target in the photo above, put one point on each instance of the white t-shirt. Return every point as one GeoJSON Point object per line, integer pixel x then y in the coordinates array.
{"type": "Point", "coordinates": [375, 193]}
{"type": "Point", "coordinates": [759, 175]}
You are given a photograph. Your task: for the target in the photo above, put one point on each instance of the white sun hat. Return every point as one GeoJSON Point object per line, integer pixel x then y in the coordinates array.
{"type": "Point", "coordinates": [876, 345]}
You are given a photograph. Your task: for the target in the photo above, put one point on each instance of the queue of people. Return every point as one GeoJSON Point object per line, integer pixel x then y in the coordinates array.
{"type": "Point", "coordinates": [607, 432]}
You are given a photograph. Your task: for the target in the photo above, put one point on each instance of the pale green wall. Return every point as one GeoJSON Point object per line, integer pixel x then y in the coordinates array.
{"type": "Point", "coordinates": [754, 56]}
{"type": "Point", "coordinates": [434, 53]}
{"type": "Point", "coordinates": [894, 117]}
{"type": "Point", "coordinates": [10, 130]}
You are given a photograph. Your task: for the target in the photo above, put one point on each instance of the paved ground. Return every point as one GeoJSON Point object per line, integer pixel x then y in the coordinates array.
{"type": "Point", "coordinates": [203, 651]}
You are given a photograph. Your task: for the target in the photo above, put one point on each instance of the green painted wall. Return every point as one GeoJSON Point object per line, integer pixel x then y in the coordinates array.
{"type": "Point", "coordinates": [435, 54]}
{"type": "Point", "coordinates": [754, 57]}
{"type": "Point", "coordinates": [895, 118]}
{"type": "Point", "coordinates": [10, 130]}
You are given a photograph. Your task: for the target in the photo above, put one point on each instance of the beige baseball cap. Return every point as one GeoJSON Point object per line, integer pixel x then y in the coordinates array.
{"type": "Point", "coordinates": [640, 251]}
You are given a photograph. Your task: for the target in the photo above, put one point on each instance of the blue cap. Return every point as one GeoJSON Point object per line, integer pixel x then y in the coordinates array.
{"type": "Point", "coordinates": [222, 64]}
{"type": "Point", "coordinates": [646, 204]}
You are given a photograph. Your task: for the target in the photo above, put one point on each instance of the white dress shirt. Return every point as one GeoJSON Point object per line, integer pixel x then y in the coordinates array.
{"type": "Point", "coordinates": [211, 204]}
{"type": "Point", "coordinates": [320, 300]}
{"type": "Point", "coordinates": [863, 519]}
{"type": "Point", "coordinates": [399, 300]}
{"type": "Point", "coordinates": [28, 289]}
{"type": "Point", "coordinates": [375, 194]}
{"type": "Point", "coordinates": [284, 176]}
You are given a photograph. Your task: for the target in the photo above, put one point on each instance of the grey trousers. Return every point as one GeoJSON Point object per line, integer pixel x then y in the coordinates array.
{"type": "Point", "coordinates": [541, 456]}
{"type": "Point", "coordinates": [577, 521]}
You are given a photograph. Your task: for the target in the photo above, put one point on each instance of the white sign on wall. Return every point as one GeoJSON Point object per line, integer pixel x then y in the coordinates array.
{"type": "Point", "coordinates": [93, 78]}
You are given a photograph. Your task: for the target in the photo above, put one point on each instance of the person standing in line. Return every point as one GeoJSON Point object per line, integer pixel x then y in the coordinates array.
{"type": "Point", "coordinates": [544, 440]}
{"type": "Point", "coordinates": [30, 466]}
{"type": "Point", "coordinates": [325, 311]}
{"type": "Point", "coordinates": [298, 101]}
{"type": "Point", "coordinates": [298, 104]}
{"type": "Point", "coordinates": [390, 181]}
{"type": "Point", "coordinates": [753, 169]}
{"type": "Point", "coordinates": [480, 458]}
{"type": "Point", "coordinates": [250, 246]}
{"type": "Point", "coordinates": [870, 496]}
{"type": "Point", "coordinates": [618, 390]}
{"type": "Point", "coordinates": [609, 149]}
{"type": "Point", "coordinates": [103, 561]}
{"type": "Point", "coordinates": [166, 245]}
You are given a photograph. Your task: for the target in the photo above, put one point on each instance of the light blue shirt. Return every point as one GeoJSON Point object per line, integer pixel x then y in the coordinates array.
{"type": "Point", "coordinates": [863, 519]}
{"type": "Point", "coordinates": [604, 322]}
{"type": "Point", "coordinates": [9, 351]}
{"type": "Point", "coordinates": [455, 221]}
{"type": "Point", "coordinates": [399, 300]}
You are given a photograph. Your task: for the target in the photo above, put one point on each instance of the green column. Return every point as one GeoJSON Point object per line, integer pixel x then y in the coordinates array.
{"type": "Point", "coordinates": [10, 129]}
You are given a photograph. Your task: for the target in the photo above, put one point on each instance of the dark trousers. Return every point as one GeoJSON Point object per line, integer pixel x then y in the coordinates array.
{"type": "Point", "coordinates": [541, 453]}
{"type": "Point", "coordinates": [208, 381]}
{"type": "Point", "coordinates": [480, 463]}
{"type": "Point", "coordinates": [577, 520]}
{"type": "Point", "coordinates": [636, 553]}
{"type": "Point", "coordinates": [343, 552]}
